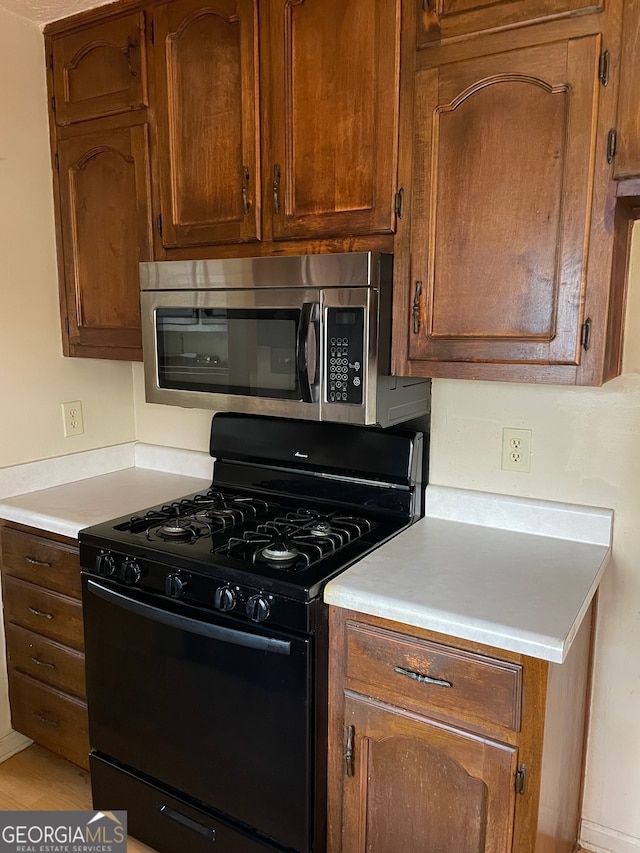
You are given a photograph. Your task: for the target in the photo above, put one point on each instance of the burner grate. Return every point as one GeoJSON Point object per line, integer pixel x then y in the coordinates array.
{"type": "Point", "coordinates": [295, 540]}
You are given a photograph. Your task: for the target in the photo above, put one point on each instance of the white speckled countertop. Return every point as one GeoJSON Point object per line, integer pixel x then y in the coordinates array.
{"type": "Point", "coordinates": [512, 573]}
{"type": "Point", "coordinates": [145, 475]}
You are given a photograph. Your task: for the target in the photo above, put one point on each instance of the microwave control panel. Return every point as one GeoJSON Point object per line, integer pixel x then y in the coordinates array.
{"type": "Point", "coordinates": [345, 355]}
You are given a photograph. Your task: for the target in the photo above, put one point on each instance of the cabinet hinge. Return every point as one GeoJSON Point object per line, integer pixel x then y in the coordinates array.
{"type": "Point", "coordinates": [603, 67]}
{"type": "Point", "coordinates": [585, 334]}
{"type": "Point", "coordinates": [53, 104]}
{"type": "Point", "coordinates": [612, 143]}
{"type": "Point", "coordinates": [66, 325]}
{"type": "Point", "coordinates": [521, 779]}
{"type": "Point", "coordinates": [56, 161]}
{"type": "Point", "coordinates": [399, 203]}
{"type": "Point", "coordinates": [152, 32]}
{"type": "Point", "coordinates": [159, 224]}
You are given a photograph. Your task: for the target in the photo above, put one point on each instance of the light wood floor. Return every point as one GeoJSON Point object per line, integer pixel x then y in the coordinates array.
{"type": "Point", "coordinates": [36, 779]}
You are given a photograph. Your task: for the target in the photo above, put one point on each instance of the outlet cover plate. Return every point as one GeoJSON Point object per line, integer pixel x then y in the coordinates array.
{"type": "Point", "coordinates": [516, 450]}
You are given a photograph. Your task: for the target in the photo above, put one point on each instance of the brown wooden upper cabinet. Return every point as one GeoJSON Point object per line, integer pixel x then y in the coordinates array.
{"type": "Point", "coordinates": [205, 103]}
{"type": "Point", "coordinates": [105, 231]}
{"type": "Point", "coordinates": [502, 215]}
{"type": "Point", "coordinates": [101, 70]}
{"type": "Point", "coordinates": [331, 105]}
{"type": "Point", "coordinates": [440, 21]}
{"type": "Point", "coordinates": [329, 90]}
{"type": "Point", "coordinates": [627, 161]}
{"type": "Point", "coordinates": [507, 270]}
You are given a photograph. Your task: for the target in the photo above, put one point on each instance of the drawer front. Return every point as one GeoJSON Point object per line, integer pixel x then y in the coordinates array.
{"type": "Point", "coordinates": [48, 613]}
{"type": "Point", "coordinates": [51, 718]}
{"type": "Point", "coordinates": [428, 677]}
{"type": "Point", "coordinates": [48, 661]}
{"type": "Point", "coordinates": [41, 561]}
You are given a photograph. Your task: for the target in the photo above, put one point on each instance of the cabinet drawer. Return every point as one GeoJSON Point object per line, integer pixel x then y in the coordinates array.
{"type": "Point", "coordinates": [48, 613]}
{"type": "Point", "coordinates": [466, 686]}
{"type": "Point", "coordinates": [48, 661]}
{"type": "Point", "coordinates": [41, 561]}
{"type": "Point", "coordinates": [51, 718]}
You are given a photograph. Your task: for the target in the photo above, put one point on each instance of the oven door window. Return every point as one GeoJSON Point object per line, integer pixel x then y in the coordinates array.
{"type": "Point", "coordinates": [250, 352]}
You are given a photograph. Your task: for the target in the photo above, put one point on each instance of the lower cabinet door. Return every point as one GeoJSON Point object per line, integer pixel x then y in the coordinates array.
{"type": "Point", "coordinates": [414, 784]}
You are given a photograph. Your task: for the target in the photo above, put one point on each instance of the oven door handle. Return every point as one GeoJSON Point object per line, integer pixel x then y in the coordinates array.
{"type": "Point", "coordinates": [193, 626]}
{"type": "Point", "coordinates": [309, 352]}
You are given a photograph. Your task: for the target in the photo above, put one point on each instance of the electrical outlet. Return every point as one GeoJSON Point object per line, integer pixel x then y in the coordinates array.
{"type": "Point", "coordinates": [72, 418]}
{"type": "Point", "coordinates": [516, 450]}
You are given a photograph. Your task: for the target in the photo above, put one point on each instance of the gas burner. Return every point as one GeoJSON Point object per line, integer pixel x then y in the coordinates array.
{"type": "Point", "coordinates": [279, 550]}
{"type": "Point", "coordinates": [320, 528]}
{"type": "Point", "coordinates": [176, 531]}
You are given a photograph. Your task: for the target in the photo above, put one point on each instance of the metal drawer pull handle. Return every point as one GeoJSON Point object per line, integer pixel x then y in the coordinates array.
{"type": "Point", "coordinates": [423, 679]}
{"type": "Point", "coordinates": [43, 663]}
{"type": "Point", "coordinates": [46, 720]}
{"type": "Point", "coordinates": [195, 826]}
{"type": "Point", "coordinates": [416, 307]}
{"type": "Point", "coordinates": [41, 613]}
{"type": "Point", "coordinates": [245, 183]}
{"type": "Point", "coordinates": [35, 562]}
{"type": "Point", "coordinates": [276, 187]}
{"type": "Point", "coordinates": [348, 750]}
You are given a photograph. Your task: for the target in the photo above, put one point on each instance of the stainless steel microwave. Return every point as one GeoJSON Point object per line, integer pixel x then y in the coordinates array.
{"type": "Point", "coordinates": [299, 337]}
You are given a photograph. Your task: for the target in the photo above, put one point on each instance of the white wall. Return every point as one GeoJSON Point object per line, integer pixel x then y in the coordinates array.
{"type": "Point", "coordinates": [35, 378]}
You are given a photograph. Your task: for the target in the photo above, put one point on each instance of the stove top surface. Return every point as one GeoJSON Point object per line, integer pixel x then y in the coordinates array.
{"type": "Point", "coordinates": [279, 545]}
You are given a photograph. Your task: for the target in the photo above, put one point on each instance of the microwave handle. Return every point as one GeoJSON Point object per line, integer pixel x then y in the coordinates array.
{"type": "Point", "coordinates": [309, 351]}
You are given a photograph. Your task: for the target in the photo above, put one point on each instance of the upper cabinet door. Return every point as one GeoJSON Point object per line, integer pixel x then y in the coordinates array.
{"type": "Point", "coordinates": [439, 21]}
{"type": "Point", "coordinates": [332, 105]}
{"type": "Point", "coordinates": [105, 234]}
{"type": "Point", "coordinates": [100, 70]}
{"type": "Point", "coordinates": [503, 177]}
{"type": "Point", "coordinates": [205, 67]}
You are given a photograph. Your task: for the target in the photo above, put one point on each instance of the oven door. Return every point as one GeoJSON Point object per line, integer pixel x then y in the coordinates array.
{"type": "Point", "coordinates": [219, 714]}
{"type": "Point", "coordinates": [255, 351]}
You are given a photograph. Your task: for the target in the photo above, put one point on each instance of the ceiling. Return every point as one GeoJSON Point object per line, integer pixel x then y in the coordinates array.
{"type": "Point", "coordinates": [44, 11]}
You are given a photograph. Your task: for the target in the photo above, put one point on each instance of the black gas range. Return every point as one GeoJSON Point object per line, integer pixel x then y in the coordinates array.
{"type": "Point", "coordinates": [206, 633]}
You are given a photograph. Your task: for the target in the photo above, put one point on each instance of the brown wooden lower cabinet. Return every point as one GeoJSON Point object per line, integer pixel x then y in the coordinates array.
{"type": "Point", "coordinates": [414, 762]}
{"type": "Point", "coordinates": [44, 639]}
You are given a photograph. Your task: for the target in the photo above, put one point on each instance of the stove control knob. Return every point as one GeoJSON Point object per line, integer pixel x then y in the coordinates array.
{"type": "Point", "coordinates": [131, 572]}
{"type": "Point", "coordinates": [105, 565]}
{"type": "Point", "coordinates": [258, 608]}
{"type": "Point", "coordinates": [175, 585]}
{"type": "Point", "coordinates": [224, 598]}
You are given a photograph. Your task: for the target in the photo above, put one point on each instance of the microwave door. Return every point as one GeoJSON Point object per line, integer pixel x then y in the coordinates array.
{"type": "Point", "coordinates": [251, 351]}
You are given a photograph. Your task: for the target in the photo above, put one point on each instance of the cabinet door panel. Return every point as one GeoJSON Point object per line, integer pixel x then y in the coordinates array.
{"type": "Point", "coordinates": [627, 160]}
{"type": "Point", "coordinates": [106, 221]}
{"type": "Point", "coordinates": [333, 104]}
{"type": "Point", "coordinates": [205, 63]}
{"type": "Point", "coordinates": [424, 787]}
{"type": "Point", "coordinates": [502, 156]}
{"type": "Point", "coordinates": [100, 70]}
{"type": "Point", "coordinates": [440, 21]}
